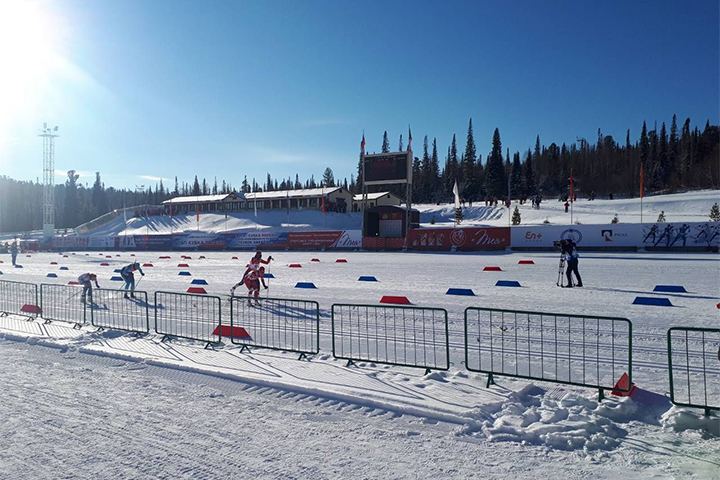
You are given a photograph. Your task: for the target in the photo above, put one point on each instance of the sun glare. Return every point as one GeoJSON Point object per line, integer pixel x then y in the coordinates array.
{"type": "Point", "coordinates": [28, 57]}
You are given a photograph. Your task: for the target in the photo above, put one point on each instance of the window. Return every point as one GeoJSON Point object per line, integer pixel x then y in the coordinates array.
{"type": "Point", "coordinates": [313, 202]}
{"type": "Point", "coordinates": [266, 205]}
{"type": "Point", "coordinates": [276, 204]}
{"type": "Point", "coordinates": [303, 203]}
{"type": "Point", "coordinates": [293, 203]}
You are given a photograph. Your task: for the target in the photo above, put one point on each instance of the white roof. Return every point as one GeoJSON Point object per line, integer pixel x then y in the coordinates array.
{"type": "Point", "coordinates": [202, 198]}
{"type": "Point", "coordinates": [280, 194]}
{"type": "Point", "coordinates": [371, 196]}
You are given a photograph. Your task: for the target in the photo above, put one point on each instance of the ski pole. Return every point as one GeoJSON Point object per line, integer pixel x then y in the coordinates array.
{"type": "Point", "coordinates": [267, 290]}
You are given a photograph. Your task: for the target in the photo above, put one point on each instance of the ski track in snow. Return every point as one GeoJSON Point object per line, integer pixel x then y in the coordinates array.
{"type": "Point", "coordinates": [109, 405]}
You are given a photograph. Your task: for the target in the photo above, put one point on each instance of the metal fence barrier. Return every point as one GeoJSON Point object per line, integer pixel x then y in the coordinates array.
{"type": "Point", "coordinates": [185, 315]}
{"type": "Point", "coordinates": [63, 303]}
{"type": "Point", "coordinates": [587, 351]}
{"type": "Point", "coordinates": [694, 367]}
{"type": "Point", "coordinates": [404, 336]}
{"type": "Point", "coordinates": [277, 323]}
{"type": "Point", "coordinates": [19, 298]}
{"type": "Point", "coordinates": [113, 310]}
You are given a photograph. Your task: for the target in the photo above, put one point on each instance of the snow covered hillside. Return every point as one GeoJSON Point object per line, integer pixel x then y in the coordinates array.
{"type": "Point", "coordinates": [680, 207]}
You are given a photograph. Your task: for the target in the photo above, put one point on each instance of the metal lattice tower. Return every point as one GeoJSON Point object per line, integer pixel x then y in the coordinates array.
{"type": "Point", "coordinates": [48, 135]}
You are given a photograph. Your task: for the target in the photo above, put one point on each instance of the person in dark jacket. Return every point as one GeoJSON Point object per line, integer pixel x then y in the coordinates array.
{"type": "Point", "coordinates": [569, 249]}
{"type": "Point", "coordinates": [127, 274]}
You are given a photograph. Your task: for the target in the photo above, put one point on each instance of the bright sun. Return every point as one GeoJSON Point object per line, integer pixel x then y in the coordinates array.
{"type": "Point", "coordinates": [28, 57]}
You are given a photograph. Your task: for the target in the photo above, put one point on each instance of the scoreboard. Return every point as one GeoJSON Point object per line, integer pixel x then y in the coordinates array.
{"type": "Point", "coordinates": [387, 168]}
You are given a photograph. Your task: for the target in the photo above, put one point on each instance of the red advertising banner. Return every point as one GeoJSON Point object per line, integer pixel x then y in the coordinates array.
{"type": "Point", "coordinates": [330, 239]}
{"type": "Point", "coordinates": [468, 239]}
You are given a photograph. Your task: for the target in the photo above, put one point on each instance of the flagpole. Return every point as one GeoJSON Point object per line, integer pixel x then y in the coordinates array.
{"type": "Point", "coordinates": [642, 193]}
{"type": "Point", "coordinates": [572, 199]}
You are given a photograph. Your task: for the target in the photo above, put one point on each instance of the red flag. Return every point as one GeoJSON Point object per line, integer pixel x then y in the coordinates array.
{"type": "Point", "coordinates": [197, 212]}
{"type": "Point", "coordinates": [362, 144]}
{"type": "Point", "coordinates": [642, 181]}
{"type": "Point", "coordinates": [571, 186]}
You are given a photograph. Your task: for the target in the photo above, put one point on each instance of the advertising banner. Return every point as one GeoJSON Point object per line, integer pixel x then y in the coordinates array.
{"type": "Point", "coordinates": [665, 235]}
{"type": "Point", "coordinates": [328, 240]}
{"type": "Point", "coordinates": [102, 243]}
{"type": "Point", "coordinates": [466, 239]}
{"type": "Point", "coordinates": [64, 243]}
{"type": "Point", "coordinates": [153, 242]}
{"type": "Point", "coordinates": [256, 239]}
{"type": "Point", "coordinates": [199, 241]}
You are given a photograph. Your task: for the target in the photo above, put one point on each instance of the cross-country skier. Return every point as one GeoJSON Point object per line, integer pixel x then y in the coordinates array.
{"type": "Point", "coordinates": [255, 264]}
{"type": "Point", "coordinates": [85, 279]}
{"type": "Point", "coordinates": [652, 233]}
{"type": "Point", "coordinates": [682, 233]}
{"type": "Point", "coordinates": [569, 249]}
{"type": "Point", "coordinates": [127, 274]}
{"type": "Point", "coordinates": [252, 281]}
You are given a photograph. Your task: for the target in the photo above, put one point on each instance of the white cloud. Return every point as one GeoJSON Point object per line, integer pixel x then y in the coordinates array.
{"type": "Point", "coordinates": [153, 178]}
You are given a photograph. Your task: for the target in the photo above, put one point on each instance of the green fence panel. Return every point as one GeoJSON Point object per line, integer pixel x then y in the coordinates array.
{"type": "Point", "coordinates": [19, 298]}
{"type": "Point", "coordinates": [394, 335]}
{"type": "Point", "coordinates": [694, 367]}
{"type": "Point", "coordinates": [583, 350]}
{"type": "Point", "coordinates": [112, 309]}
{"type": "Point", "coordinates": [277, 323]}
{"type": "Point", "coordinates": [186, 315]}
{"type": "Point", "coordinates": [63, 303]}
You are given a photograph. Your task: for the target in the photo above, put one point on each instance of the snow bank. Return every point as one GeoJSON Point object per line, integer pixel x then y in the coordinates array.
{"type": "Point", "coordinates": [570, 423]}
{"type": "Point", "coordinates": [681, 419]}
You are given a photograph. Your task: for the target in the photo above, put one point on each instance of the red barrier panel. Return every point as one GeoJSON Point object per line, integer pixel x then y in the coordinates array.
{"type": "Point", "coordinates": [395, 300]}
{"type": "Point", "coordinates": [526, 262]}
{"type": "Point", "coordinates": [196, 290]}
{"type": "Point", "coordinates": [492, 269]}
{"type": "Point", "coordinates": [183, 265]}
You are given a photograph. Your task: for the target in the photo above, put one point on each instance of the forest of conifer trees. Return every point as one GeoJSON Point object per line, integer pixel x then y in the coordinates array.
{"type": "Point", "coordinates": [681, 157]}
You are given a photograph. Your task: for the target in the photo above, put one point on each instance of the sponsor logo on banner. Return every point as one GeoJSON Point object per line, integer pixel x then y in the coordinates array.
{"type": "Point", "coordinates": [460, 238]}
{"type": "Point", "coordinates": [457, 238]}
{"type": "Point", "coordinates": [531, 235]}
{"type": "Point", "coordinates": [349, 239]}
{"type": "Point", "coordinates": [572, 234]}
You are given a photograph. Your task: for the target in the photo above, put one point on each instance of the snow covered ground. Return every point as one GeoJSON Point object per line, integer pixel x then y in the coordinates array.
{"type": "Point", "coordinates": [680, 207]}
{"type": "Point", "coordinates": [112, 405]}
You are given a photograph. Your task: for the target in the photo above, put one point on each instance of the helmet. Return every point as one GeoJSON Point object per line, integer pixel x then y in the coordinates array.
{"type": "Point", "coordinates": [261, 269]}
{"type": "Point", "coordinates": [258, 254]}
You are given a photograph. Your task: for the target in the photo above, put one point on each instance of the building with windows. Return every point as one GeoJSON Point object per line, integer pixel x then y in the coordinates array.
{"type": "Point", "coordinates": [226, 202]}
{"type": "Point", "coordinates": [375, 200]}
{"type": "Point", "coordinates": [335, 199]}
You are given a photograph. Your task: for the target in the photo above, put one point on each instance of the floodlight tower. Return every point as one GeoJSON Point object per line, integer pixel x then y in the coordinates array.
{"type": "Point", "coordinates": [48, 135]}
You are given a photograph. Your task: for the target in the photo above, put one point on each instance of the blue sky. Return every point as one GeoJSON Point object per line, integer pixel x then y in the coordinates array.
{"type": "Point", "coordinates": [154, 89]}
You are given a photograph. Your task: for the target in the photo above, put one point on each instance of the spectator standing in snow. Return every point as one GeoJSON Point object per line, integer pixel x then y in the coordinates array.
{"type": "Point", "coordinates": [14, 253]}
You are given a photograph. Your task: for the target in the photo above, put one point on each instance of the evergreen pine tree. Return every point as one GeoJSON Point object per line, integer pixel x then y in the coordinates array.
{"type": "Point", "coordinates": [328, 178]}
{"type": "Point", "coordinates": [434, 180]}
{"type": "Point", "coordinates": [529, 185]}
{"type": "Point", "coordinates": [196, 187]}
{"type": "Point", "coordinates": [401, 147]}
{"type": "Point", "coordinates": [516, 216]}
{"type": "Point", "coordinates": [516, 177]}
{"type": "Point", "coordinates": [495, 171]}
{"type": "Point", "coordinates": [386, 143]}
{"type": "Point", "coordinates": [468, 168]}
{"type": "Point", "coordinates": [458, 216]}
{"type": "Point", "coordinates": [715, 213]}
{"type": "Point", "coordinates": [71, 200]}
{"type": "Point", "coordinates": [176, 192]}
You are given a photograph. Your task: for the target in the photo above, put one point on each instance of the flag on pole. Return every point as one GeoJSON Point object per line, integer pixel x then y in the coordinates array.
{"type": "Point", "coordinates": [642, 181]}
{"type": "Point", "coordinates": [456, 192]}
{"type": "Point", "coordinates": [571, 186]}
{"type": "Point", "coordinates": [287, 202]}
{"type": "Point", "coordinates": [362, 144]}
{"type": "Point", "coordinates": [322, 202]}
{"type": "Point", "coordinates": [409, 139]}
{"type": "Point", "coordinates": [197, 212]}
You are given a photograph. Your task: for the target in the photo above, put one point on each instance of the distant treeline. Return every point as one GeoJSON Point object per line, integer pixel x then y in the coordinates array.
{"type": "Point", "coordinates": [678, 158]}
